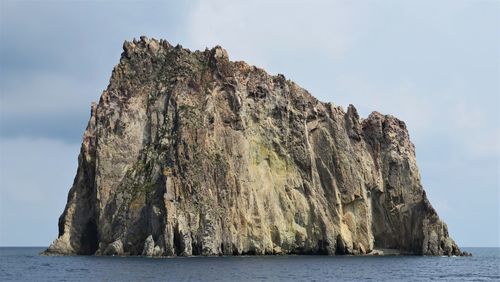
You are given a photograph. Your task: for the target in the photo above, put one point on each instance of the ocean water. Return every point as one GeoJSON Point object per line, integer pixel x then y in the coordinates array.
{"type": "Point", "coordinates": [24, 264]}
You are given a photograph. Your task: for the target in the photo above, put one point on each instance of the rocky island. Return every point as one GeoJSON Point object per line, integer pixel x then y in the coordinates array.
{"type": "Point", "coordinates": [189, 153]}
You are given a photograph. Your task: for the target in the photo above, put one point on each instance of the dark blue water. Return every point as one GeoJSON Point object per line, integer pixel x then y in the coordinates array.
{"type": "Point", "coordinates": [24, 264]}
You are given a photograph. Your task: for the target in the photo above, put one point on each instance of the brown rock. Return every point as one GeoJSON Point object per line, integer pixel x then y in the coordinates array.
{"type": "Point", "coordinates": [188, 153]}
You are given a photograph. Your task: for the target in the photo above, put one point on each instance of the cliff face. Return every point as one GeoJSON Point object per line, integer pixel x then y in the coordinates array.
{"type": "Point", "coordinates": [188, 153]}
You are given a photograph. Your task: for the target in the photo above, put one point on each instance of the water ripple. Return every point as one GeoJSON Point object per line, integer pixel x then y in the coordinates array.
{"type": "Point", "coordinates": [23, 264]}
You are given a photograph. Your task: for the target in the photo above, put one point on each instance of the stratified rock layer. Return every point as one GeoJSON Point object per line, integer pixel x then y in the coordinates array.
{"type": "Point", "coordinates": [188, 153]}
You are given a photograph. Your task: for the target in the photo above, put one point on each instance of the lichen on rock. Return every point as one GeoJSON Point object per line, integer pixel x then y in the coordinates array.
{"type": "Point", "coordinates": [189, 153]}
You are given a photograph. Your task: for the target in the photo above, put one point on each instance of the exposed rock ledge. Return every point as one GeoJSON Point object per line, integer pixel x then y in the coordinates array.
{"type": "Point", "coordinates": [188, 153]}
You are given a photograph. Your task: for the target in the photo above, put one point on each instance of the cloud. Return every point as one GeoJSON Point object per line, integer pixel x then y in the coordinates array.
{"type": "Point", "coordinates": [56, 58]}
{"type": "Point", "coordinates": [45, 93]}
{"type": "Point", "coordinates": [259, 31]}
{"type": "Point", "coordinates": [35, 177]}
{"type": "Point", "coordinates": [432, 64]}
{"type": "Point", "coordinates": [46, 105]}
{"type": "Point", "coordinates": [443, 111]}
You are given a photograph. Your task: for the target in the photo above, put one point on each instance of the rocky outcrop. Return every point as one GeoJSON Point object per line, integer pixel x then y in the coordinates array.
{"type": "Point", "coordinates": [188, 153]}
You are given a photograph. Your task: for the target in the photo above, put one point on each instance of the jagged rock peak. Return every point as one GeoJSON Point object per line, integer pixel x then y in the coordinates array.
{"type": "Point", "coordinates": [189, 153]}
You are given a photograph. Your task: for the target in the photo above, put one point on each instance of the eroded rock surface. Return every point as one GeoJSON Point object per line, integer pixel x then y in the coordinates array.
{"type": "Point", "coordinates": [188, 153]}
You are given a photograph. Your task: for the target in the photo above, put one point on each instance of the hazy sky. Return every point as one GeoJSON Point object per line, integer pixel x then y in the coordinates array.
{"type": "Point", "coordinates": [433, 64]}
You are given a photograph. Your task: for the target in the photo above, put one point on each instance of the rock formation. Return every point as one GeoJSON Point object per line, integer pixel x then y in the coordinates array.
{"type": "Point", "coordinates": [189, 153]}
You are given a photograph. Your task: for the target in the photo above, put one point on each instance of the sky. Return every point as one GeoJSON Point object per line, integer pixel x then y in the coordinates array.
{"type": "Point", "coordinates": [434, 64]}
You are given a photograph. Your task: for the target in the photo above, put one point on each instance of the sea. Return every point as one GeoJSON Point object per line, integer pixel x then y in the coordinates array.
{"type": "Point", "coordinates": [25, 264]}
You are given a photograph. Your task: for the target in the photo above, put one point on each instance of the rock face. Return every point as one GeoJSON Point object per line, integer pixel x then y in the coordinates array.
{"type": "Point", "coordinates": [188, 153]}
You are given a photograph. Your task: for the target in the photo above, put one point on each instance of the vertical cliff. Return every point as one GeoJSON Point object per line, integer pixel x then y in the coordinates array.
{"type": "Point", "coordinates": [188, 153]}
